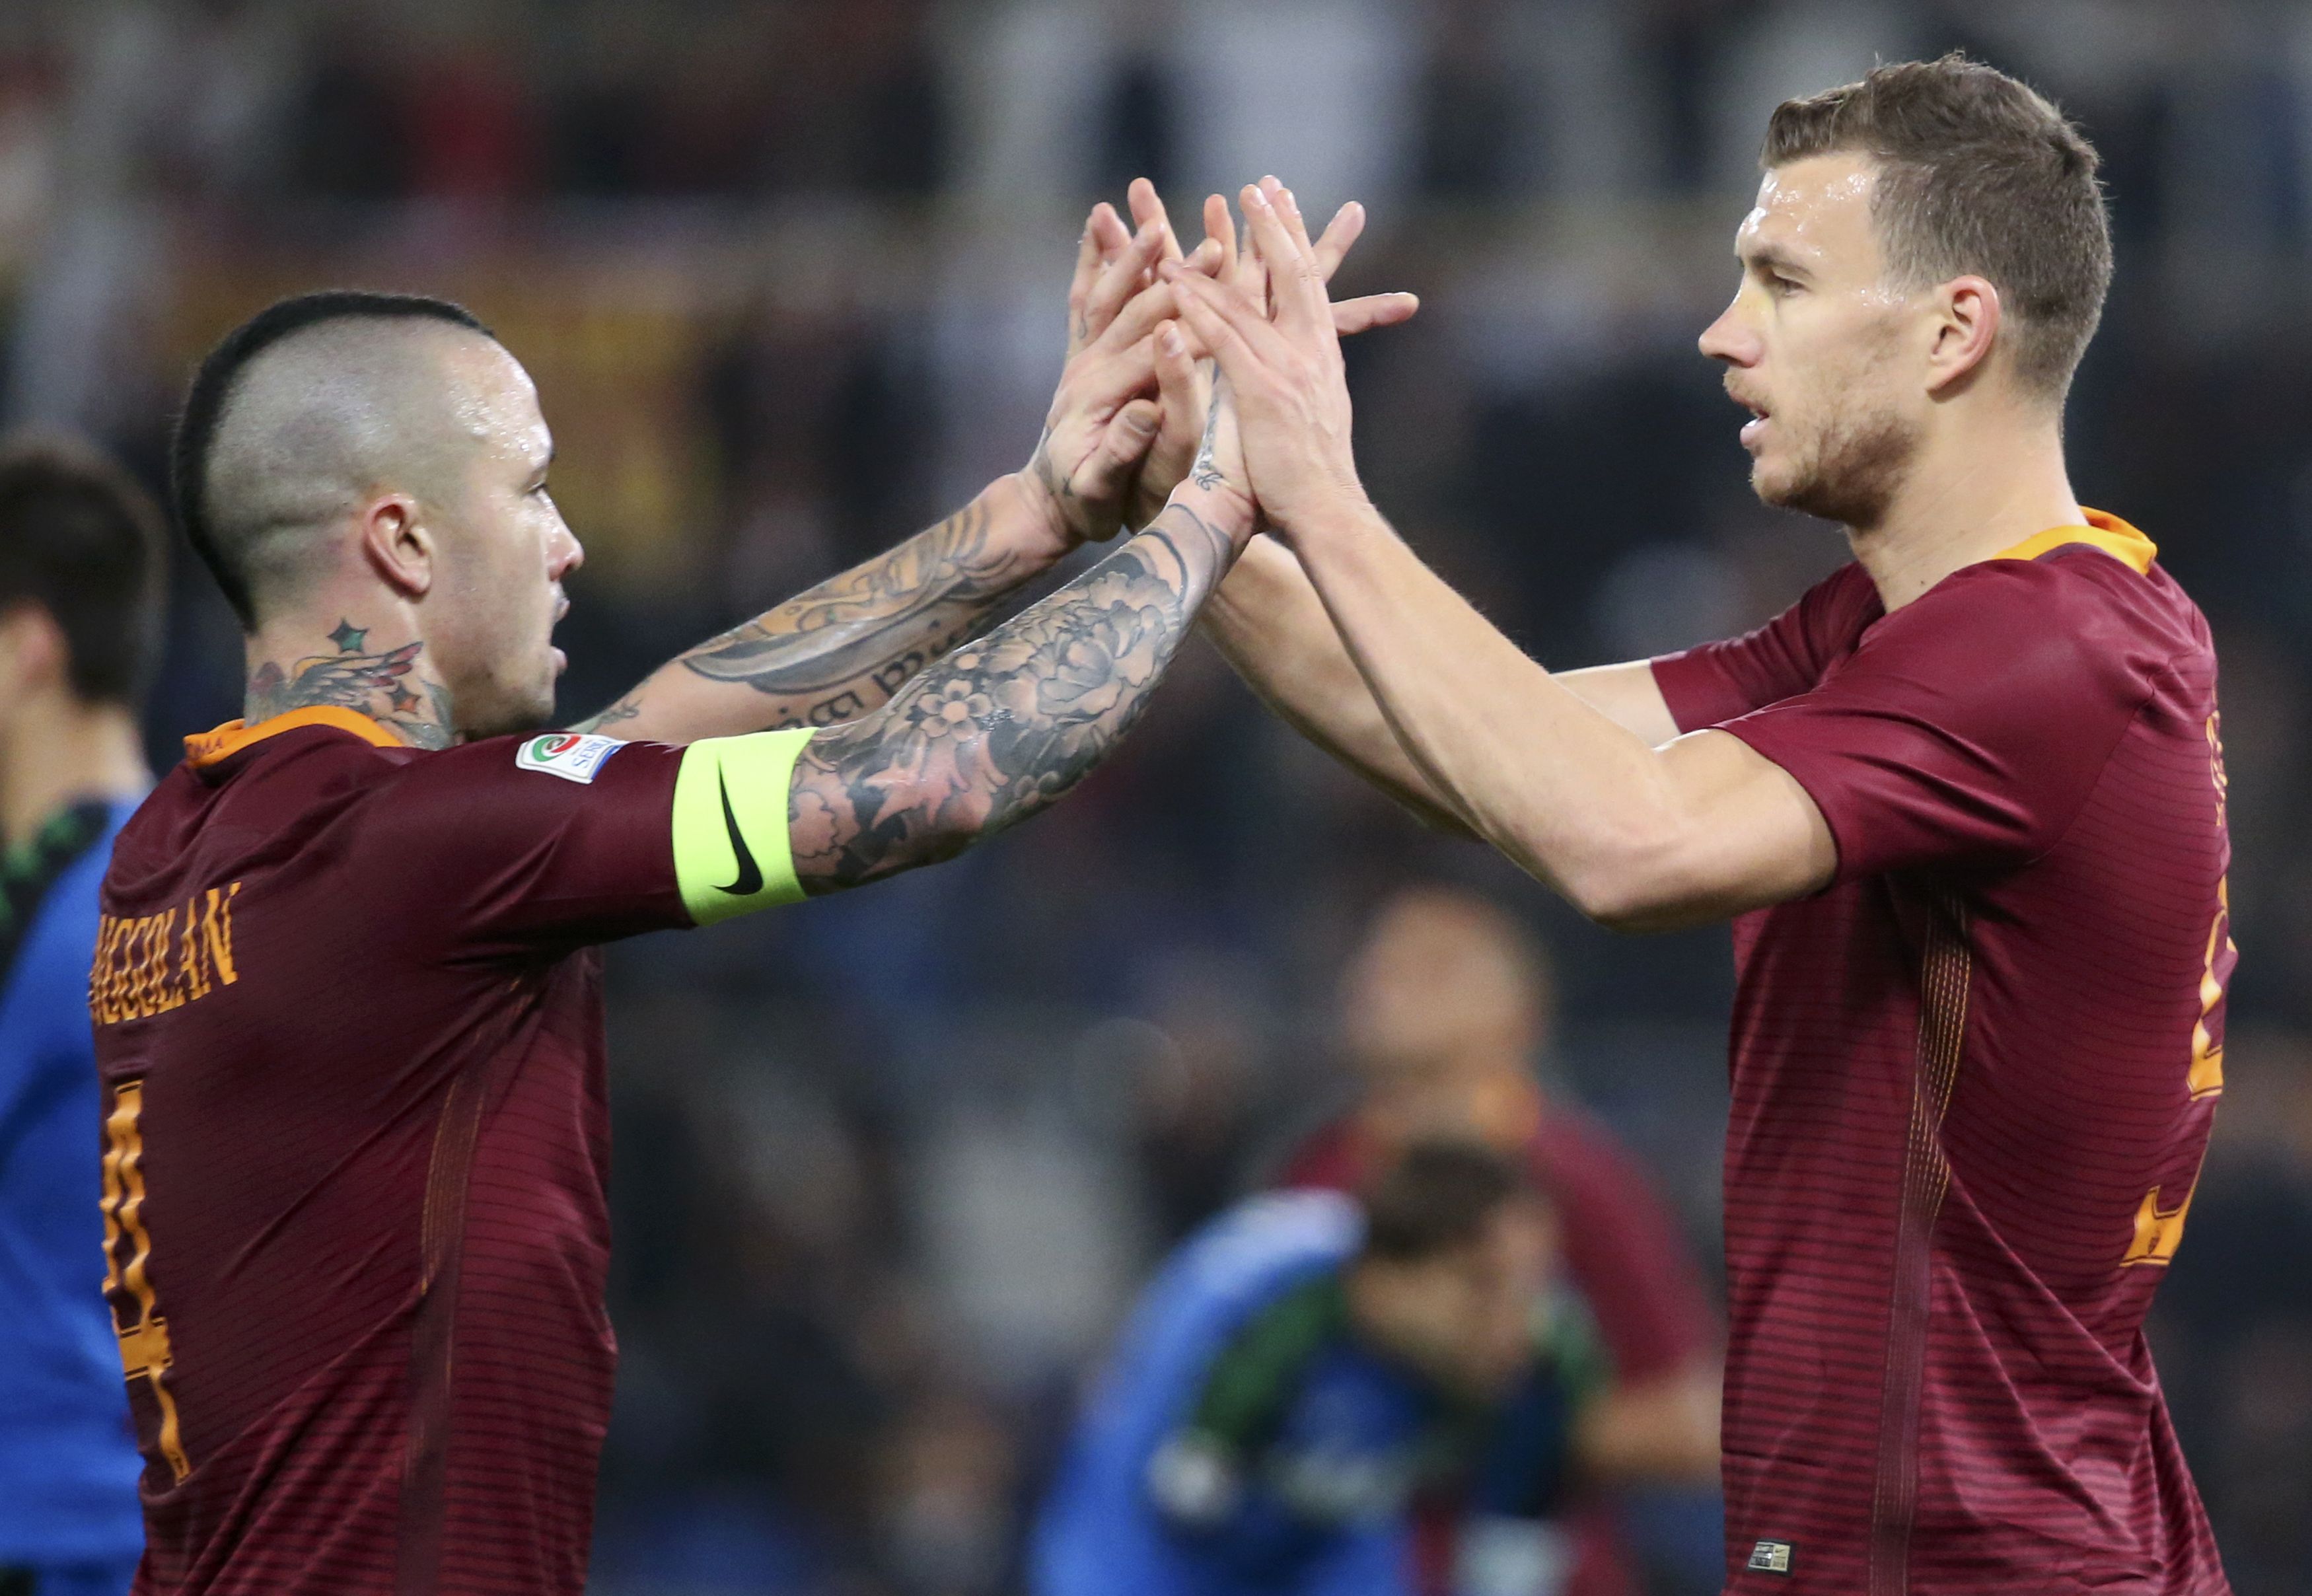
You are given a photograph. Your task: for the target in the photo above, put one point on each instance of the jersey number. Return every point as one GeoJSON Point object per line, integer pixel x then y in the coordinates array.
{"type": "Point", "coordinates": [2160, 1230]}
{"type": "Point", "coordinates": [144, 1340]}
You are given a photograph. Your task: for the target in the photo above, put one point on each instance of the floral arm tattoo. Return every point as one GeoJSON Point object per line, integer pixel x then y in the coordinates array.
{"type": "Point", "coordinates": [1004, 726]}
{"type": "Point", "coordinates": [846, 646]}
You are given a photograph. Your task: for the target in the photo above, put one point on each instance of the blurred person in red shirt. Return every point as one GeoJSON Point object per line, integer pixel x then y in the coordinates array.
{"type": "Point", "coordinates": [1445, 1007]}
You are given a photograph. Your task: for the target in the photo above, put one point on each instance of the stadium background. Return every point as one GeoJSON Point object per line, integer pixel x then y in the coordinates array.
{"type": "Point", "coordinates": [791, 275]}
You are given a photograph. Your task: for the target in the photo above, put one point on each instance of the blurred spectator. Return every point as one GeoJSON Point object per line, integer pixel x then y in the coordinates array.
{"type": "Point", "coordinates": [1446, 1010]}
{"type": "Point", "coordinates": [1303, 1367]}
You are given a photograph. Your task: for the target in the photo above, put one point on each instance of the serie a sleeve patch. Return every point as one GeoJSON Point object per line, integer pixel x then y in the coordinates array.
{"type": "Point", "coordinates": [569, 755]}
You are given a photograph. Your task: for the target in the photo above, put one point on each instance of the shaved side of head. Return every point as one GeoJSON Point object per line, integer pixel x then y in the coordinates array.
{"type": "Point", "coordinates": [301, 414]}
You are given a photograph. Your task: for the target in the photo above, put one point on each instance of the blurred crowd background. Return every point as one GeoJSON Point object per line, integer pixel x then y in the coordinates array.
{"type": "Point", "coordinates": [791, 278]}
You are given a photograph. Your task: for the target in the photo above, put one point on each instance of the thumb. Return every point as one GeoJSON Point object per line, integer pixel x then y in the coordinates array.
{"type": "Point", "coordinates": [1175, 372]}
{"type": "Point", "coordinates": [1134, 423]}
{"type": "Point", "coordinates": [1181, 388]}
{"type": "Point", "coordinates": [1121, 449]}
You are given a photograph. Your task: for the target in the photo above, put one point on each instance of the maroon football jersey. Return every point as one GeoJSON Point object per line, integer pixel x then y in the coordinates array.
{"type": "Point", "coordinates": [1973, 1078]}
{"type": "Point", "coordinates": [355, 1140]}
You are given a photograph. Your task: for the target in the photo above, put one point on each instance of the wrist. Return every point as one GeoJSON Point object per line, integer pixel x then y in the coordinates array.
{"type": "Point", "coordinates": [1042, 525]}
{"type": "Point", "coordinates": [1320, 517]}
{"type": "Point", "coordinates": [1220, 506]}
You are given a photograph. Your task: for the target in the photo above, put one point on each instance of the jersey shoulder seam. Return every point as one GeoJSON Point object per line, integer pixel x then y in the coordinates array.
{"type": "Point", "coordinates": [2164, 672]}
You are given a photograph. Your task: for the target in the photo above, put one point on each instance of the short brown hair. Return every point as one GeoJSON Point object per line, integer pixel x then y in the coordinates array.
{"type": "Point", "coordinates": [1435, 1196]}
{"type": "Point", "coordinates": [1977, 172]}
{"type": "Point", "coordinates": [82, 539]}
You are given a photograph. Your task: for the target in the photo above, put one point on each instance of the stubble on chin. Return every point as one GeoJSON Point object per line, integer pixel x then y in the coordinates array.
{"type": "Point", "coordinates": [1852, 473]}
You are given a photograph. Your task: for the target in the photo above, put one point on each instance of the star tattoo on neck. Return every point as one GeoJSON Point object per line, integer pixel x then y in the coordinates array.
{"type": "Point", "coordinates": [348, 638]}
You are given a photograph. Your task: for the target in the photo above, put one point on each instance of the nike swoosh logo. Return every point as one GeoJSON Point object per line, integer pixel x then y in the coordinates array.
{"type": "Point", "coordinates": [750, 875]}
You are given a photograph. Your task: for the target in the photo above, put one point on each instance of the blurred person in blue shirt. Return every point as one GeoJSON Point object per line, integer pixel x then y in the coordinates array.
{"type": "Point", "coordinates": [1302, 1366]}
{"type": "Point", "coordinates": [82, 559]}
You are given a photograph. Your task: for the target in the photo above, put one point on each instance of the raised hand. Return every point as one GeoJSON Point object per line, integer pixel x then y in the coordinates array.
{"type": "Point", "coordinates": [1100, 426]}
{"type": "Point", "coordinates": [1184, 383]}
{"type": "Point", "coordinates": [1290, 390]}
{"type": "Point", "coordinates": [1004, 725]}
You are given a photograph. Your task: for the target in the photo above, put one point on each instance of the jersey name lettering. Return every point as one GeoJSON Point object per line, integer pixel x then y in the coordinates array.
{"type": "Point", "coordinates": [153, 964]}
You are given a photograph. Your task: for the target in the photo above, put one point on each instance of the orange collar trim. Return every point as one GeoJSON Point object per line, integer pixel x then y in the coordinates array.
{"type": "Point", "coordinates": [2114, 536]}
{"type": "Point", "coordinates": [208, 747]}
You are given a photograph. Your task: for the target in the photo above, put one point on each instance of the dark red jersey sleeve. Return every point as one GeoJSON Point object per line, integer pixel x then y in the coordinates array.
{"type": "Point", "coordinates": [1967, 728]}
{"type": "Point", "coordinates": [1781, 659]}
{"type": "Point", "coordinates": [506, 853]}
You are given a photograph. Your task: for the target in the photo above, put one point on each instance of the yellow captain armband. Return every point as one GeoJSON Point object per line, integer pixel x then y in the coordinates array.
{"type": "Point", "coordinates": [731, 849]}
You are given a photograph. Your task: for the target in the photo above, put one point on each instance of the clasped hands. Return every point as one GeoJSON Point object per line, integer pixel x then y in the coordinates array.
{"type": "Point", "coordinates": [1152, 331]}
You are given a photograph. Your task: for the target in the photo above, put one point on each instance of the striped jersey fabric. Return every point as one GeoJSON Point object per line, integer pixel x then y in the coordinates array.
{"type": "Point", "coordinates": [1973, 1079]}
{"type": "Point", "coordinates": [349, 1031]}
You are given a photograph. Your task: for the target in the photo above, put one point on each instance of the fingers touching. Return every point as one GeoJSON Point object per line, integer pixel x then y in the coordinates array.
{"type": "Point", "coordinates": [1119, 280]}
{"type": "Point", "coordinates": [1184, 394]}
{"type": "Point", "coordinates": [1220, 236]}
{"type": "Point", "coordinates": [1145, 319]}
{"type": "Point", "coordinates": [1295, 281]}
{"type": "Point", "coordinates": [1107, 231]}
{"type": "Point", "coordinates": [1148, 210]}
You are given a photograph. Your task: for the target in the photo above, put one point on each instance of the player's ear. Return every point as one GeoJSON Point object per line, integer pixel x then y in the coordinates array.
{"type": "Point", "coordinates": [398, 544]}
{"type": "Point", "coordinates": [1966, 317]}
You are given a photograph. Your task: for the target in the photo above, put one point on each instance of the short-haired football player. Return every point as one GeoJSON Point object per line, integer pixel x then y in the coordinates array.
{"type": "Point", "coordinates": [346, 1002]}
{"type": "Point", "coordinates": [1965, 804]}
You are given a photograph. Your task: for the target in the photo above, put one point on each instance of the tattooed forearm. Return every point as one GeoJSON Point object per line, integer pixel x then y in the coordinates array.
{"type": "Point", "coordinates": [846, 646]}
{"type": "Point", "coordinates": [389, 686]}
{"type": "Point", "coordinates": [1005, 725]}
{"type": "Point", "coordinates": [624, 709]}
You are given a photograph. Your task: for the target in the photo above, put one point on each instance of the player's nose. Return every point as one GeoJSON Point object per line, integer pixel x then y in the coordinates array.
{"type": "Point", "coordinates": [1729, 339]}
{"type": "Point", "coordinates": [563, 553]}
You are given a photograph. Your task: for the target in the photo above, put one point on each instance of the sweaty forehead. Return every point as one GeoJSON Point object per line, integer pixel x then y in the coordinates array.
{"type": "Point", "coordinates": [492, 401]}
{"type": "Point", "coordinates": [1815, 214]}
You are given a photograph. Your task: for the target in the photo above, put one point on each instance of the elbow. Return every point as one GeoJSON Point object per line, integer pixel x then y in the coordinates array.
{"type": "Point", "coordinates": [1632, 883]}
{"type": "Point", "coordinates": [1617, 903]}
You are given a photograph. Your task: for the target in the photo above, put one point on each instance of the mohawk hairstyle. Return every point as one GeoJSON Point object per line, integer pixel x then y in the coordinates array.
{"type": "Point", "coordinates": [213, 386]}
{"type": "Point", "coordinates": [1978, 173]}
